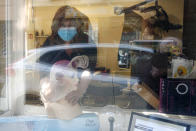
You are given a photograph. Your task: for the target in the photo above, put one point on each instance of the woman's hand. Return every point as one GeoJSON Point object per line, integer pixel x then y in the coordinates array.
{"type": "Point", "coordinates": [47, 92]}
{"type": "Point", "coordinates": [74, 96]}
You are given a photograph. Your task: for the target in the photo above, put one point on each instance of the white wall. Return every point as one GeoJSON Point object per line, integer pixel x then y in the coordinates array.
{"type": "Point", "coordinates": [2, 10]}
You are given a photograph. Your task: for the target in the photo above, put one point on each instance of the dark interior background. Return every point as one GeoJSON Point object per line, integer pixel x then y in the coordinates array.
{"type": "Point", "coordinates": [189, 34]}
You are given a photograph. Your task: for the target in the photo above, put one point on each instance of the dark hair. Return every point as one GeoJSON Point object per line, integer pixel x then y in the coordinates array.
{"type": "Point", "coordinates": [160, 60]}
{"type": "Point", "coordinates": [64, 13]}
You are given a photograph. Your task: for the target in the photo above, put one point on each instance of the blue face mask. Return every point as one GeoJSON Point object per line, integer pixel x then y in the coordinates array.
{"type": "Point", "coordinates": [67, 33]}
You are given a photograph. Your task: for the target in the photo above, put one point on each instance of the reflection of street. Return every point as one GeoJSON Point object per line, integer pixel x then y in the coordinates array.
{"type": "Point", "coordinates": [104, 89]}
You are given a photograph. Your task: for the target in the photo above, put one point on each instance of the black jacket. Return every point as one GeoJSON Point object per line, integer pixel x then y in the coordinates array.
{"type": "Point", "coordinates": [52, 57]}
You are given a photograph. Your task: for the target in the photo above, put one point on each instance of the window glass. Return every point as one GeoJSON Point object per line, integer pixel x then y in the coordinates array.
{"type": "Point", "coordinates": [132, 45]}
{"type": "Point", "coordinates": [71, 57]}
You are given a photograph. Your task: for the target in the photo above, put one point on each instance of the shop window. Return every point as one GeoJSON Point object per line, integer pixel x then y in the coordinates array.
{"type": "Point", "coordinates": [144, 32]}
{"type": "Point", "coordinates": [67, 58]}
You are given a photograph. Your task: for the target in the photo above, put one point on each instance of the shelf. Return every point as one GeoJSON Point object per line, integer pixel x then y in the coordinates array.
{"type": "Point", "coordinates": [42, 36]}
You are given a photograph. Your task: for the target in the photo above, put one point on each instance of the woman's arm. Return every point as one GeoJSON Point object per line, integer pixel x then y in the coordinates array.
{"type": "Point", "coordinates": [74, 96]}
{"type": "Point", "coordinates": [84, 82]}
{"type": "Point", "coordinates": [47, 91]}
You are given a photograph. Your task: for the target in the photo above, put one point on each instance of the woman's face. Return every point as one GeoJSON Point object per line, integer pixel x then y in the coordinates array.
{"type": "Point", "coordinates": [67, 31]}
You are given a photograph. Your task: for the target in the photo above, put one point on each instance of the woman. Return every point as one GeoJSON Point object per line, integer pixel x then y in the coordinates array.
{"type": "Point", "coordinates": [68, 28]}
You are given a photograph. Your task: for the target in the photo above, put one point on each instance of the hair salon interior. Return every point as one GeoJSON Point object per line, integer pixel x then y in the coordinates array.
{"type": "Point", "coordinates": [132, 65]}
